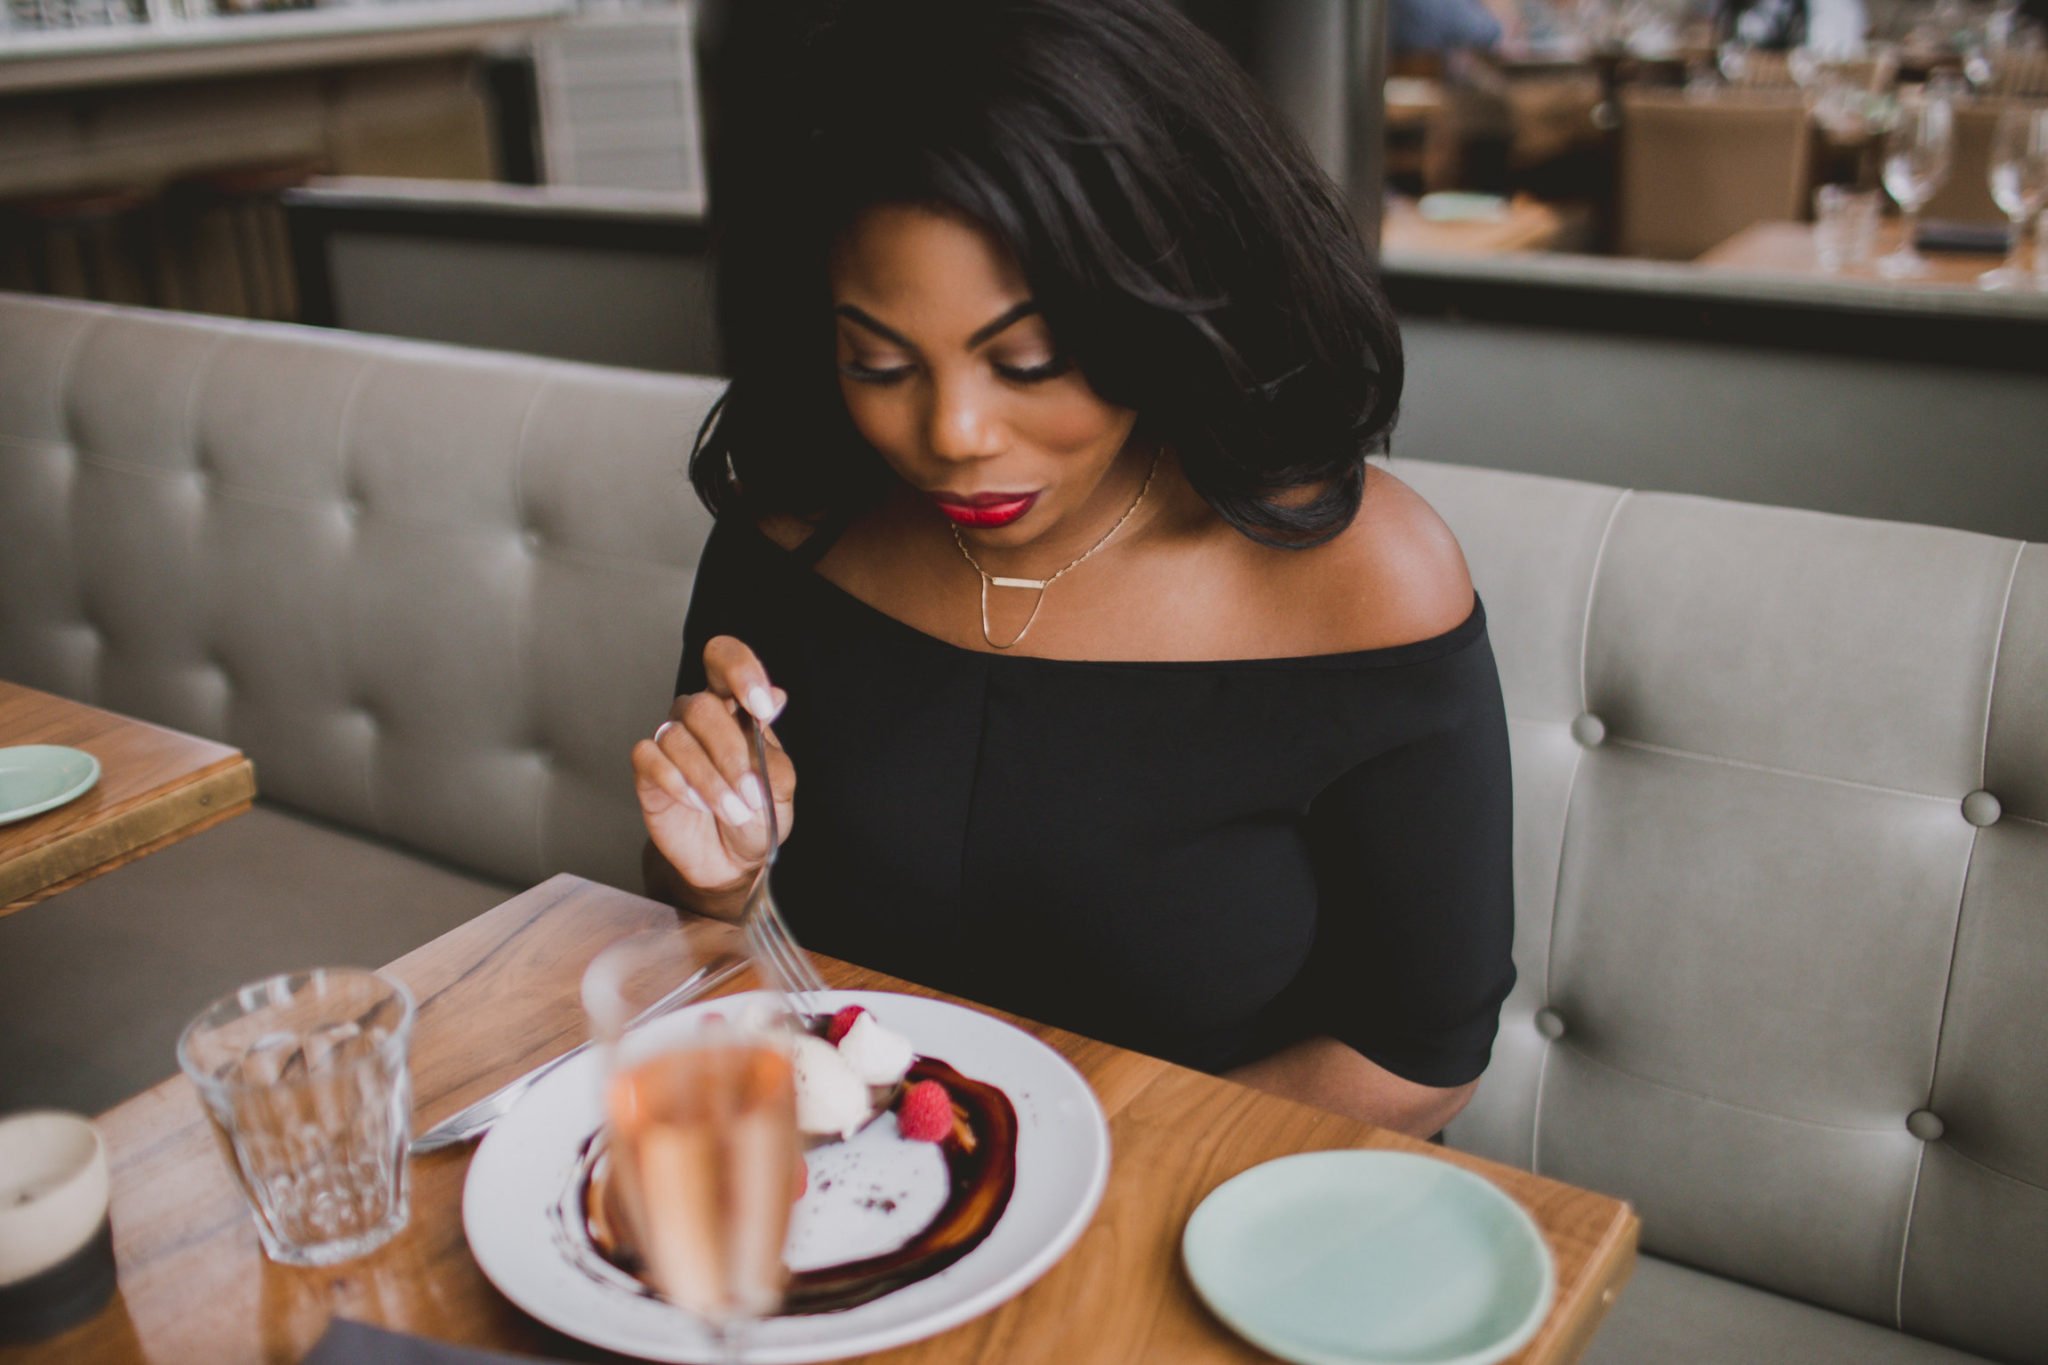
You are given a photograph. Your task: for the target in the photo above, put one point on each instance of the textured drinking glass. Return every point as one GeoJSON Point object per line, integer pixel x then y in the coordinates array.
{"type": "Point", "coordinates": [1916, 160]}
{"type": "Point", "coordinates": [305, 1078]}
{"type": "Point", "coordinates": [1844, 225]}
{"type": "Point", "coordinates": [2019, 183]}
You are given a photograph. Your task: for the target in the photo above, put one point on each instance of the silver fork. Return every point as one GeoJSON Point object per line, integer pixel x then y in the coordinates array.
{"type": "Point", "coordinates": [786, 964]}
{"type": "Point", "coordinates": [474, 1120]}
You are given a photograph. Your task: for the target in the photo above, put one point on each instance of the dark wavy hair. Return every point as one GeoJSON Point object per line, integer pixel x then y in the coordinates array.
{"type": "Point", "coordinates": [1184, 249]}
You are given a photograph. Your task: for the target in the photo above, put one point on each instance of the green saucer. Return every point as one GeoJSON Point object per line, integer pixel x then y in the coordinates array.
{"type": "Point", "coordinates": [1370, 1258]}
{"type": "Point", "coordinates": [39, 777]}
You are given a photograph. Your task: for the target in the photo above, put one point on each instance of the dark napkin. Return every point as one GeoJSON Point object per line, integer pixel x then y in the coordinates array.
{"type": "Point", "coordinates": [356, 1343]}
{"type": "Point", "coordinates": [1940, 235]}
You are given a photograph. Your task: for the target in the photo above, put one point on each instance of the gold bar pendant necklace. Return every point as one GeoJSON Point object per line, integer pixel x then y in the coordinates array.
{"type": "Point", "coordinates": [1039, 585]}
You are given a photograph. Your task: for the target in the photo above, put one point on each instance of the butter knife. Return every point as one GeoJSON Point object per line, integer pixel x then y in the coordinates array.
{"type": "Point", "coordinates": [476, 1120]}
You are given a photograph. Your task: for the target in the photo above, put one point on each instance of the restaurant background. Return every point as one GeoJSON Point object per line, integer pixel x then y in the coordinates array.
{"type": "Point", "coordinates": [1587, 191]}
{"type": "Point", "coordinates": [1597, 228]}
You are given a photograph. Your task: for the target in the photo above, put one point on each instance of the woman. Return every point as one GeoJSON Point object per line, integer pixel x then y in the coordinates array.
{"type": "Point", "coordinates": [1032, 292]}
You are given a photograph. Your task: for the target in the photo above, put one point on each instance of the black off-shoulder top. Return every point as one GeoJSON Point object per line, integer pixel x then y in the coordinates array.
{"type": "Point", "coordinates": [1203, 861]}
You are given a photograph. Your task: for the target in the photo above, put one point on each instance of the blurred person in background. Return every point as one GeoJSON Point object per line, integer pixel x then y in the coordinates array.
{"type": "Point", "coordinates": [1443, 26]}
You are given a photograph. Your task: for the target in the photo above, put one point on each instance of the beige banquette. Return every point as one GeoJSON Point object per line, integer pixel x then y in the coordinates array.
{"type": "Point", "coordinates": [1781, 779]}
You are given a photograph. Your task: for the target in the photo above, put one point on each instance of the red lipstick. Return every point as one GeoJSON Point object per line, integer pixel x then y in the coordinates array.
{"type": "Point", "coordinates": [984, 510]}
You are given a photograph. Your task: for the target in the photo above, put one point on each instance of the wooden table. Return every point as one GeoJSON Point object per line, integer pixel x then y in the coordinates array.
{"type": "Point", "coordinates": [156, 786]}
{"type": "Point", "coordinates": [1524, 225]}
{"type": "Point", "coordinates": [1787, 249]}
{"type": "Point", "coordinates": [498, 995]}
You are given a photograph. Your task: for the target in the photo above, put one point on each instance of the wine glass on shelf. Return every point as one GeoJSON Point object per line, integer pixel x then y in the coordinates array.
{"type": "Point", "coordinates": [2019, 184]}
{"type": "Point", "coordinates": [702, 1143]}
{"type": "Point", "coordinates": [1917, 152]}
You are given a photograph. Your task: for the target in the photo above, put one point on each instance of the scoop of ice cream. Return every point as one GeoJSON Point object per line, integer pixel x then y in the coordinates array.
{"type": "Point", "coordinates": [878, 1054]}
{"type": "Point", "coordinates": [830, 1096]}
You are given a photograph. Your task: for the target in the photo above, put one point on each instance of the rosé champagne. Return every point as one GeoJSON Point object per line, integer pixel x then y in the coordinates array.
{"type": "Point", "coordinates": [705, 1150]}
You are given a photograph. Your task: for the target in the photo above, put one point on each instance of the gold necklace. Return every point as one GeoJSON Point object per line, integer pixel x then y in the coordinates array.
{"type": "Point", "coordinates": [989, 580]}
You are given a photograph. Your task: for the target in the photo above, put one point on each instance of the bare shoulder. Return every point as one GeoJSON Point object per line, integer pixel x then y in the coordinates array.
{"type": "Point", "coordinates": [1395, 575]}
{"type": "Point", "coordinates": [785, 530]}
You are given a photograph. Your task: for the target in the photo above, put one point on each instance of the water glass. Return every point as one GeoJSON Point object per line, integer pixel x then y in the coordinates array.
{"type": "Point", "coordinates": [2019, 184]}
{"type": "Point", "coordinates": [1844, 226]}
{"type": "Point", "coordinates": [304, 1076]}
{"type": "Point", "coordinates": [1917, 152]}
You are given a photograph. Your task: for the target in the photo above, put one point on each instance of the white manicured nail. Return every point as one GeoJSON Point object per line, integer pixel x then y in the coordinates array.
{"type": "Point", "coordinates": [750, 789]}
{"type": "Point", "coordinates": [690, 795]}
{"type": "Point", "coordinates": [663, 729]}
{"type": "Point", "coordinates": [736, 811]}
{"type": "Point", "coordinates": [762, 703]}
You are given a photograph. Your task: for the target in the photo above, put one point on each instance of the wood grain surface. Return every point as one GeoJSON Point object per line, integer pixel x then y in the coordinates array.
{"type": "Point", "coordinates": [1524, 225]}
{"type": "Point", "coordinates": [1787, 249]}
{"type": "Point", "coordinates": [497, 996]}
{"type": "Point", "coordinates": [156, 786]}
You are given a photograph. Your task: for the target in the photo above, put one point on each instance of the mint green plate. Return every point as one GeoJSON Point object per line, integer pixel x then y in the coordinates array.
{"type": "Point", "coordinates": [1370, 1258]}
{"type": "Point", "coordinates": [39, 777]}
{"type": "Point", "coordinates": [1461, 206]}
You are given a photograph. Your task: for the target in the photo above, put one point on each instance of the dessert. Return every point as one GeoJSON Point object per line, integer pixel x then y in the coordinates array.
{"type": "Point", "coordinates": [831, 1099]}
{"type": "Point", "coordinates": [839, 1090]}
{"type": "Point", "coordinates": [877, 1054]}
{"type": "Point", "coordinates": [926, 1113]}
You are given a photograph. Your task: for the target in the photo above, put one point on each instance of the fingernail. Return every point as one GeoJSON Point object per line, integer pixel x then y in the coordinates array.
{"type": "Point", "coordinates": [762, 703]}
{"type": "Point", "coordinates": [736, 810]}
{"type": "Point", "coordinates": [690, 795]}
{"type": "Point", "coordinates": [663, 729]}
{"type": "Point", "coordinates": [750, 788]}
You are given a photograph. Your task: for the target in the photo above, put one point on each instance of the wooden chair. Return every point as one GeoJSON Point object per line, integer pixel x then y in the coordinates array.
{"type": "Point", "coordinates": [228, 236]}
{"type": "Point", "coordinates": [1965, 197]}
{"type": "Point", "coordinates": [95, 244]}
{"type": "Point", "coordinates": [1695, 171]}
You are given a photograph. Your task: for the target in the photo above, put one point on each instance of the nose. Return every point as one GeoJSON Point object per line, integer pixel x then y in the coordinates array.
{"type": "Point", "coordinates": [962, 423]}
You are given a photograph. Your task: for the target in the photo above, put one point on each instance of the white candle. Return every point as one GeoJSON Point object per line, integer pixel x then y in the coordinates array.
{"type": "Point", "coordinates": [53, 1191]}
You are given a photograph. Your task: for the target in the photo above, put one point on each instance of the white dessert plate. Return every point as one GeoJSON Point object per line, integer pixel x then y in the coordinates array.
{"type": "Point", "coordinates": [39, 777]}
{"type": "Point", "coordinates": [1370, 1258]}
{"type": "Point", "coordinates": [867, 1195]}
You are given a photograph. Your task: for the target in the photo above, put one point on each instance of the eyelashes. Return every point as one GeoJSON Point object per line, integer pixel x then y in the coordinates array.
{"type": "Point", "coordinates": [885, 375]}
{"type": "Point", "coordinates": [1036, 374]}
{"type": "Point", "coordinates": [881, 376]}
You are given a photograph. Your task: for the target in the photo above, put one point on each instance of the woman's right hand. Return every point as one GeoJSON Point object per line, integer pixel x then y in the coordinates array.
{"type": "Point", "coordinates": [696, 783]}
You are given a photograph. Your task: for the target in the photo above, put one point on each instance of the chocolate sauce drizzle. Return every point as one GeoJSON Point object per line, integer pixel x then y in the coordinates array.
{"type": "Point", "coordinates": [981, 1167]}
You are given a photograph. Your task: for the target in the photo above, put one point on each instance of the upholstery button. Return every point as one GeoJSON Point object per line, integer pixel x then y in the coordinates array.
{"type": "Point", "coordinates": [1981, 808]}
{"type": "Point", "coordinates": [531, 538]}
{"type": "Point", "coordinates": [1550, 1023]}
{"type": "Point", "coordinates": [1926, 1125]}
{"type": "Point", "coordinates": [1589, 730]}
{"type": "Point", "coordinates": [352, 508]}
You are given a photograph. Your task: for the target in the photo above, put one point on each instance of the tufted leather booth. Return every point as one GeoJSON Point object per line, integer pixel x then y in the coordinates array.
{"type": "Point", "coordinates": [434, 594]}
{"type": "Point", "coordinates": [1781, 777]}
{"type": "Point", "coordinates": [1782, 892]}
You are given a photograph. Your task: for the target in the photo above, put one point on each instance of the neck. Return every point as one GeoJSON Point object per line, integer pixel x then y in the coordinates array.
{"type": "Point", "coordinates": [1112, 499]}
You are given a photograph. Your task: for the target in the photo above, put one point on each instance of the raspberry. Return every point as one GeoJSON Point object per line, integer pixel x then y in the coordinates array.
{"type": "Point", "coordinates": [926, 1114]}
{"type": "Point", "coordinates": [841, 1022]}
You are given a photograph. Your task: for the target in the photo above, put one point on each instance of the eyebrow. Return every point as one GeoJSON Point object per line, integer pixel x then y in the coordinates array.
{"type": "Point", "coordinates": [988, 330]}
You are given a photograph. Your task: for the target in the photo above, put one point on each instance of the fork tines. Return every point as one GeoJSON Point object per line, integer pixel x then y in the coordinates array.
{"type": "Point", "coordinates": [788, 966]}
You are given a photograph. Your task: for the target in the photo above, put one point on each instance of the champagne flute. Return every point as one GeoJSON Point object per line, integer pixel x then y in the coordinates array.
{"type": "Point", "coordinates": [700, 1114]}
{"type": "Point", "coordinates": [2019, 183]}
{"type": "Point", "coordinates": [1916, 160]}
